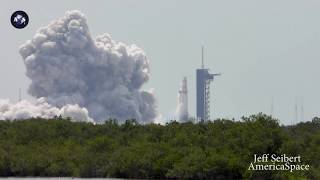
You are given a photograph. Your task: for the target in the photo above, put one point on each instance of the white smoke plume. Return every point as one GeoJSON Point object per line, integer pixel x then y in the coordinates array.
{"type": "Point", "coordinates": [67, 66]}
{"type": "Point", "coordinates": [24, 110]}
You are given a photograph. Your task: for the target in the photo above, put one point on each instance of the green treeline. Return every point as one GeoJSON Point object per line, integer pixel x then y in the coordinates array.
{"type": "Point", "coordinates": [221, 149]}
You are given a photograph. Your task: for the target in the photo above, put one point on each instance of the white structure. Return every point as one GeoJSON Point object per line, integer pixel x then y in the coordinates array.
{"type": "Point", "coordinates": [182, 108]}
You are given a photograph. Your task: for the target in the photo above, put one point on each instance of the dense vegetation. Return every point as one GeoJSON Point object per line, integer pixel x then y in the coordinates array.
{"type": "Point", "coordinates": [219, 149]}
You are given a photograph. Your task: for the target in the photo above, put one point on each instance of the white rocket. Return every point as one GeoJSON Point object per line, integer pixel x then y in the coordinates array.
{"type": "Point", "coordinates": [182, 108]}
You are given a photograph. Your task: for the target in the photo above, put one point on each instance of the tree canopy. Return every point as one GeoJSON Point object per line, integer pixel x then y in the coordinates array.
{"type": "Point", "coordinates": [206, 150]}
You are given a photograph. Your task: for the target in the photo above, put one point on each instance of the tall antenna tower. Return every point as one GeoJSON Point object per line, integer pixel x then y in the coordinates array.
{"type": "Point", "coordinates": [301, 110]}
{"type": "Point", "coordinates": [272, 102]}
{"type": "Point", "coordinates": [204, 78]}
{"type": "Point", "coordinates": [295, 111]}
{"type": "Point", "coordinates": [202, 51]}
{"type": "Point", "coordinates": [19, 96]}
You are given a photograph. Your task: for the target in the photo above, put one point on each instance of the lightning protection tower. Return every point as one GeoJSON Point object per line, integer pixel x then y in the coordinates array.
{"type": "Point", "coordinates": [204, 78]}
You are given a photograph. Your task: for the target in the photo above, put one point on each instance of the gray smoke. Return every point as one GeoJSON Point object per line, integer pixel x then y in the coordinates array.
{"type": "Point", "coordinates": [67, 66]}
{"type": "Point", "coordinates": [24, 110]}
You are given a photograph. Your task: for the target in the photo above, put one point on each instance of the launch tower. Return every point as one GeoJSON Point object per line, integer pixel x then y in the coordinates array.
{"type": "Point", "coordinates": [204, 78]}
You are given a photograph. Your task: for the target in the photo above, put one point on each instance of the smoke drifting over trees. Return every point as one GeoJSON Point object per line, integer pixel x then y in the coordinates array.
{"type": "Point", "coordinates": [69, 67]}
{"type": "Point", "coordinates": [25, 109]}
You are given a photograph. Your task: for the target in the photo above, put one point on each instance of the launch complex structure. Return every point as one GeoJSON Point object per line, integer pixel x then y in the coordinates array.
{"type": "Point", "coordinates": [204, 78]}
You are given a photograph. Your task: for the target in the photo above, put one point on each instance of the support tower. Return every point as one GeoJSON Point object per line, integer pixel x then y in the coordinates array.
{"type": "Point", "coordinates": [204, 78]}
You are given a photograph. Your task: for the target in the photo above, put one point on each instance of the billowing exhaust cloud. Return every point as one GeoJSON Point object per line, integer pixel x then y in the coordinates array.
{"type": "Point", "coordinates": [69, 69]}
{"type": "Point", "coordinates": [25, 109]}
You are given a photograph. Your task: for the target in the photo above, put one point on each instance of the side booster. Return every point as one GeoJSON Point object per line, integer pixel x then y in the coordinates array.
{"type": "Point", "coordinates": [182, 113]}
